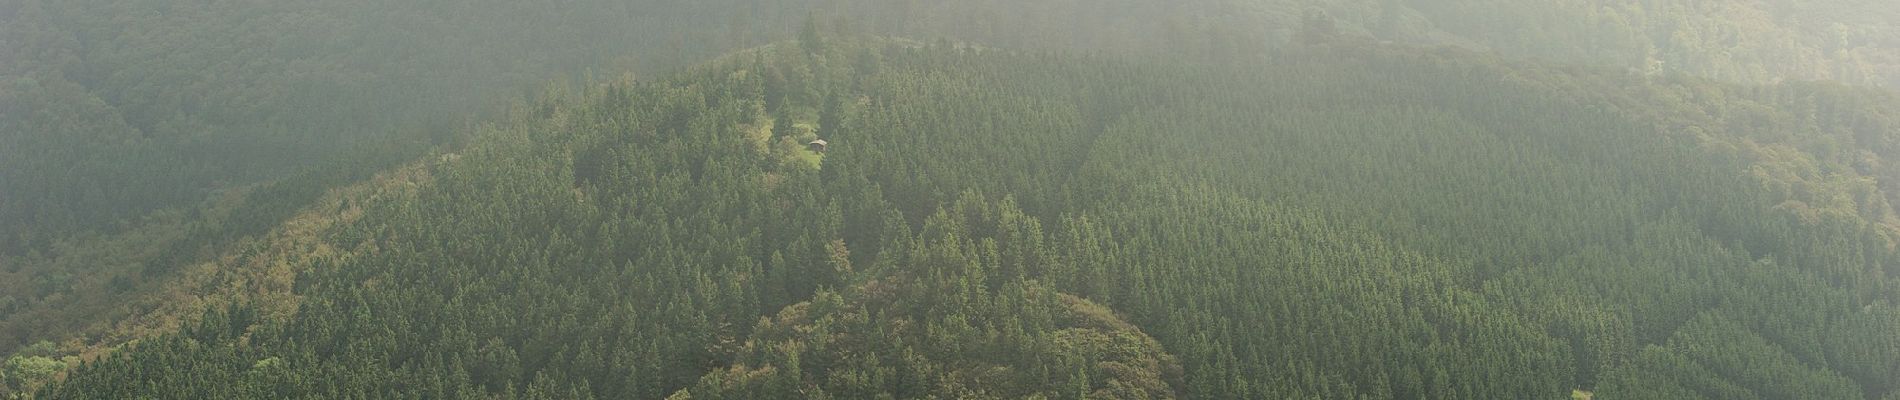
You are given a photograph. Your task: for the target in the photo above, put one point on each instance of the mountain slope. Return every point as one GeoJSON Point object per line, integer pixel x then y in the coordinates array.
{"type": "Point", "coordinates": [113, 109]}
{"type": "Point", "coordinates": [1350, 221]}
{"type": "Point", "coordinates": [141, 138]}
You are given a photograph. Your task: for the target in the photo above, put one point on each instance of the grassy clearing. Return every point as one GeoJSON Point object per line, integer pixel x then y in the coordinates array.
{"type": "Point", "coordinates": [811, 157]}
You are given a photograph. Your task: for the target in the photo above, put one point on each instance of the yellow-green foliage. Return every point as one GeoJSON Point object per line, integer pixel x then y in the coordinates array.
{"type": "Point", "coordinates": [863, 345]}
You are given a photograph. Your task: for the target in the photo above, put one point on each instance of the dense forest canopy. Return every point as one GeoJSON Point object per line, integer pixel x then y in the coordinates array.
{"type": "Point", "coordinates": [115, 108]}
{"type": "Point", "coordinates": [1043, 199]}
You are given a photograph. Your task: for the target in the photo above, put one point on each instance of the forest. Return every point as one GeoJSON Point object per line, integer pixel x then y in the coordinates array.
{"type": "Point", "coordinates": [1043, 199]}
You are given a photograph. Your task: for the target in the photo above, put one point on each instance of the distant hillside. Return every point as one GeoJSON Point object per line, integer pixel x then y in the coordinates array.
{"type": "Point", "coordinates": [1752, 41]}
{"type": "Point", "coordinates": [1346, 220]}
{"type": "Point", "coordinates": [112, 109]}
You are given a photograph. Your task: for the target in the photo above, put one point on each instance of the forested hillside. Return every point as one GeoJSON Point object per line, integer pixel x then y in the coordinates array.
{"type": "Point", "coordinates": [124, 123]}
{"type": "Point", "coordinates": [1341, 220]}
{"type": "Point", "coordinates": [1758, 41]}
{"type": "Point", "coordinates": [113, 109]}
{"type": "Point", "coordinates": [1055, 198]}
{"type": "Point", "coordinates": [141, 138]}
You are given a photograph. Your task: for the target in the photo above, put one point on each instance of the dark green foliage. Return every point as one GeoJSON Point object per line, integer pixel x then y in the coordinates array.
{"type": "Point", "coordinates": [1344, 221]}
{"type": "Point", "coordinates": [112, 109]}
{"type": "Point", "coordinates": [139, 138]}
{"type": "Point", "coordinates": [1715, 358]}
{"type": "Point", "coordinates": [957, 318]}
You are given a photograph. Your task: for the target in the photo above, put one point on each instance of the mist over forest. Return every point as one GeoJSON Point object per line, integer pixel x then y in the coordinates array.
{"type": "Point", "coordinates": [1110, 199]}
